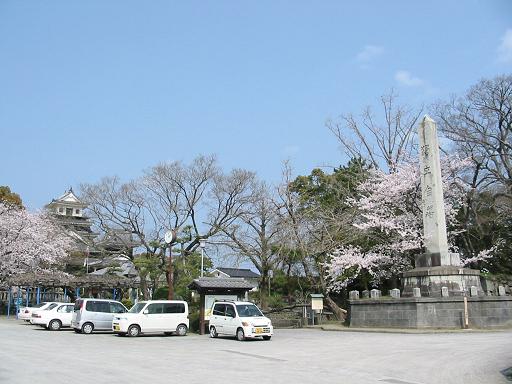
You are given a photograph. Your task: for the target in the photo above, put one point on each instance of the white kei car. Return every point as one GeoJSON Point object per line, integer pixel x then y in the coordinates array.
{"type": "Point", "coordinates": [25, 313]}
{"type": "Point", "coordinates": [55, 317]}
{"type": "Point", "coordinates": [240, 319]}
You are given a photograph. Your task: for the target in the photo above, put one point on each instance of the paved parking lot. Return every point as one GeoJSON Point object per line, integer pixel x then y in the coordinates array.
{"type": "Point", "coordinates": [34, 355]}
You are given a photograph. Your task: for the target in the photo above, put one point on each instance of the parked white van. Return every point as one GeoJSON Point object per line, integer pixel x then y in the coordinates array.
{"type": "Point", "coordinates": [153, 316]}
{"type": "Point", "coordinates": [95, 314]}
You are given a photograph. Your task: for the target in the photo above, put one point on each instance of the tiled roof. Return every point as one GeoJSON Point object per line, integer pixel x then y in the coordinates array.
{"type": "Point", "coordinates": [219, 283]}
{"type": "Point", "coordinates": [120, 267]}
{"type": "Point", "coordinates": [237, 272]}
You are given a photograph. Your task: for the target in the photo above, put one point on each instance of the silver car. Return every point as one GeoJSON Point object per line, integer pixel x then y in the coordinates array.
{"type": "Point", "coordinates": [95, 314]}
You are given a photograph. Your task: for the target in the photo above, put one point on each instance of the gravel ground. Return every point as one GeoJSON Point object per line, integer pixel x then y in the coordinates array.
{"type": "Point", "coordinates": [30, 354]}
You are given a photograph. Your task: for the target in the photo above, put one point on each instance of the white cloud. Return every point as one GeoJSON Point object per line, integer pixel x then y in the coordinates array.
{"type": "Point", "coordinates": [505, 48]}
{"type": "Point", "coordinates": [369, 52]}
{"type": "Point", "coordinates": [407, 79]}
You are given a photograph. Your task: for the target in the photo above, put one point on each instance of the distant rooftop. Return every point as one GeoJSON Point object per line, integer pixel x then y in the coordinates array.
{"type": "Point", "coordinates": [68, 198]}
{"type": "Point", "coordinates": [239, 272]}
{"type": "Point", "coordinates": [219, 283]}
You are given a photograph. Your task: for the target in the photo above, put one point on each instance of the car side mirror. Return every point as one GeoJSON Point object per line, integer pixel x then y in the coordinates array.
{"type": "Point", "coordinates": [145, 312]}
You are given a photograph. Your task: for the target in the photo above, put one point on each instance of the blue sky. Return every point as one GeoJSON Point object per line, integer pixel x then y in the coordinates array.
{"type": "Point", "coordinates": [99, 88]}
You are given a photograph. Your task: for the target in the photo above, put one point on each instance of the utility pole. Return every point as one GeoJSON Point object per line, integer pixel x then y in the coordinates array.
{"type": "Point", "coordinates": [170, 275]}
{"type": "Point", "coordinates": [202, 244]}
{"type": "Point", "coordinates": [170, 238]}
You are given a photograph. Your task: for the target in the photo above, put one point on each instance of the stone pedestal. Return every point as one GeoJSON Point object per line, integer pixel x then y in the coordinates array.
{"type": "Point", "coordinates": [434, 259]}
{"type": "Point", "coordinates": [430, 280]}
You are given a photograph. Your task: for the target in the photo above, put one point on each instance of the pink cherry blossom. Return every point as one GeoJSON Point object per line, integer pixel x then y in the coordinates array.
{"type": "Point", "coordinates": [389, 209]}
{"type": "Point", "coordinates": [29, 242]}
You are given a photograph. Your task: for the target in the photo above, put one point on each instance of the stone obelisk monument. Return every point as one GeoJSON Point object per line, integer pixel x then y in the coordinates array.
{"type": "Point", "coordinates": [436, 268]}
{"type": "Point", "coordinates": [434, 222]}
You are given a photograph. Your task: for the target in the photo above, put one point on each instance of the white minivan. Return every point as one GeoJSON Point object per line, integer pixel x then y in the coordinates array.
{"type": "Point", "coordinates": [154, 316]}
{"type": "Point", "coordinates": [95, 314]}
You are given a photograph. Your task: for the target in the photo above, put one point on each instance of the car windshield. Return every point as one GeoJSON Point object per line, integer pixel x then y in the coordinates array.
{"type": "Point", "coordinates": [137, 308]}
{"type": "Point", "coordinates": [39, 305]}
{"type": "Point", "coordinates": [248, 310]}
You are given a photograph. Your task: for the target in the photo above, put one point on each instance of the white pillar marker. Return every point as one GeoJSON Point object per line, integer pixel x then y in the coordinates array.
{"type": "Point", "coordinates": [434, 220]}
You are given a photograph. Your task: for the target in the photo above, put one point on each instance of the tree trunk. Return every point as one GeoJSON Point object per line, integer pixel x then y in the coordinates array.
{"type": "Point", "coordinates": [340, 313]}
{"type": "Point", "coordinates": [144, 286]}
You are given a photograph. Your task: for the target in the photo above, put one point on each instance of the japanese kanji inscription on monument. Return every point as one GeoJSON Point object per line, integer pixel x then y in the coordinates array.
{"type": "Point", "coordinates": [436, 271]}
{"type": "Point", "coordinates": [434, 222]}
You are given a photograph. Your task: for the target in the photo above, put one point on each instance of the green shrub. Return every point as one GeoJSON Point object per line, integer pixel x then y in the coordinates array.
{"type": "Point", "coordinates": [276, 302]}
{"type": "Point", "coordinates": [127, 303]}
{"type": "Point", "coordinates": [161, 293]}
{"type": "Point", "coordinates": [193, 317]}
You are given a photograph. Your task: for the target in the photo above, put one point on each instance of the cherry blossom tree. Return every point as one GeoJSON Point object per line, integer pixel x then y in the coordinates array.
{"type": "Point", "coordinates": [389, 206]}
{"type": "Point", "coordinates": [314, 219]}
{"type": "Point", "coordinates": [29, 242]}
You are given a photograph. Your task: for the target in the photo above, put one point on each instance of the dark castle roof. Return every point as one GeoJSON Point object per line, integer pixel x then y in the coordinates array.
{"type": "Point", "coordinates": [219, 283]}
{"type": "Point", "coordinates": [237, 272]}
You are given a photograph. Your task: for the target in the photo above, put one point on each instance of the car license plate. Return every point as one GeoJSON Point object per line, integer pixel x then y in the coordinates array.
{"type": "Point", "coordinates": [116, 328]}
{"type": "Point", "coordinates": [259, 330]}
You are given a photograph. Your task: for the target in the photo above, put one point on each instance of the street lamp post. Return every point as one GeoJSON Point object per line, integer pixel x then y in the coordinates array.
{"type": "Point", "coordinates": [202, 244]}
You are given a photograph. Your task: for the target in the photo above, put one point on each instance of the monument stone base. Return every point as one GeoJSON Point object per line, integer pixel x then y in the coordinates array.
{"type": "Point", "coordinates": [431, 280]}
{"type": "Point", "coordinates": [430, 277]}
{"type": "Point", "coordinates": [434, 259]}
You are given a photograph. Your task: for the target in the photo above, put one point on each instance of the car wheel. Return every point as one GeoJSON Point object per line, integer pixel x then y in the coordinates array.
{"type": "Point", "coordinates": [266, 337]}
{"type": "Point", "coordinates": [213, 333]}
{"type": "Point", "coordinates": [240, 335]}
{"type": "Point", "coordinates": [181, 330]}
{"type": "Point", "coordinates": [133, 331]}
{"type": "Point", "coordinates": [87, 328]}
{"type": "Point", "coordinates": [54, 325]}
